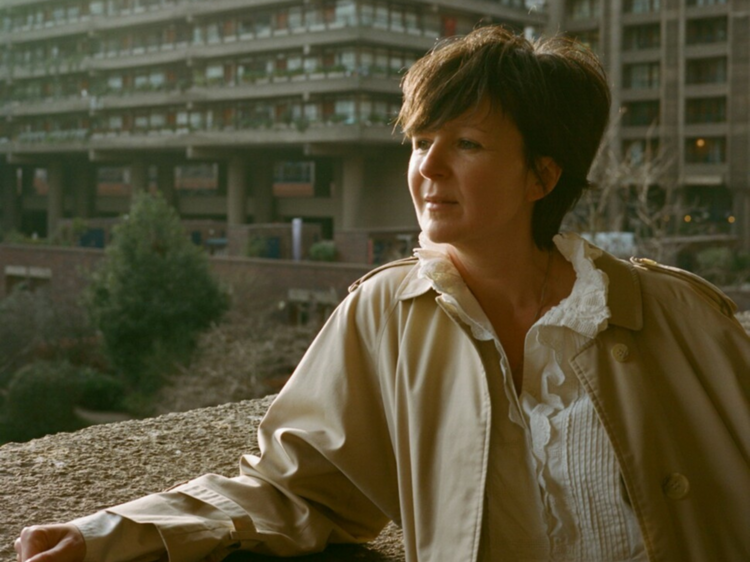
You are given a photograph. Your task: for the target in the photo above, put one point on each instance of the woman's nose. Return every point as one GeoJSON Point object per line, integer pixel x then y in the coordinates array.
{"type": "Point", "coordinates": [433, 163]}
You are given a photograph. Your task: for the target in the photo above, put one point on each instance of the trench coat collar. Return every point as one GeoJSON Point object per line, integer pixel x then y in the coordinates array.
{"type": "Point", "coordinates": [624, 293]}
{"type": "Point", "coordinates": [623, 296]}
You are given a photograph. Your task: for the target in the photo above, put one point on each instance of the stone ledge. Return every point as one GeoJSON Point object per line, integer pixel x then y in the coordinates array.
{"type": "Point", "coordinates": [60, 477]}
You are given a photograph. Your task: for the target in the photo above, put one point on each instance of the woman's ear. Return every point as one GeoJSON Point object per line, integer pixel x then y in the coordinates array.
{"type": "Point", "coordinates": [546, 175]}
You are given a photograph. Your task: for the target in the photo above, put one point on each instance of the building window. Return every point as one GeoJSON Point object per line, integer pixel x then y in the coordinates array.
{"type": "Point", "coordinates": [141, 81]}
{"type": "Point", "coordinates": [215, 74]}
{"type": "Point", "coordinates": [141, 121]}
{"type": "Point", "coordinates": [157, 79]}
{"type": "Point", "coordinates": [583, 9]}
{"type": "Point", "coordinates": [588, 38]}
{"type": "Point", "coordinates": [639, 151]}
{"type": "Point", "coordinates": [74, 13]}
{"type": "Point", "coordinates": [712, 204]}
{"type": "Point", "coordinates": [157, 120]}
{"type": "Point", "coordinates": [114, 123]}
{"type": "Point", "coordinates": [641, 6]}
{"type": "Point", "coordinates": [713, 30]}
{"type": "Point", "coordinates": [346, 12]}
{"type": "Point", "coordinates": [641, 76]}
{"type": "Point", "coordinates": [705, 150]}
{"type": "Point", "coordinates": [294, 179]}
{"type": "Point", "coordinates": [707, 71]}
{"type": "Point", "coordinates": [640, 113]}
{"type": "Point", "coordinates": [705, 2]}
{"type": "Point", "coordinates": [638, 37]}
{"type": "Point", "coordinates": [706, 110]}
{"type": "Point", "coordinates": [114, 82]}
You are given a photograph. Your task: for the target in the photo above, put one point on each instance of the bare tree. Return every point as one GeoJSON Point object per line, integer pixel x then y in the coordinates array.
{"type": "Point", "coordinates": [636, 192]}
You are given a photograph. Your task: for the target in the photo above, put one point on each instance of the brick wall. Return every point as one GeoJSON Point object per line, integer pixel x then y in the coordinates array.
{"type": "Point", "coordinates": [66, 270]}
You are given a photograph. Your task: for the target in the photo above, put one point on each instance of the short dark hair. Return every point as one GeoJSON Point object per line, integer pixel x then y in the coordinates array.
{"type": "Point", "coordinates": [554, 90]}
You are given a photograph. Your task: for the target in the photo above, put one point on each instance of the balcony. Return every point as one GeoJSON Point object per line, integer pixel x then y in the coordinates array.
{"type": "Point", "coordinates": [313, 36]}
{"type": "Point", "coordinates": [64, 64]}
{"type": "Point", "coordinates": [641, 18]}
{"type": "Point", "coordinates": [641, 56]}
{"type": "Point", "coordinates": [640, 94]}
{"type": "Point", "coordinates": [47, 106]}
{"type": "Point", "coordinates": [296, 85]}
{"type": "Point", "coordinates": [706, 130]}
{"type": "Point", "coordinates": [89, 24]}
{"type": "Point", "coordinates": [337, 129]}
{"type": "Point", "coordinates": [706, 90]}
{"type": "Point", "coordinates": [707, 9]}
{"type": "Point", "coordinates": [707, 50]}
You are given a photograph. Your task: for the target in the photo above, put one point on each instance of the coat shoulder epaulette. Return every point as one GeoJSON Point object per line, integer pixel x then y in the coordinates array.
{"type": "Point", "coordinates": [705, 288]}
{"type": "Point", "coordinates": [410, 262]}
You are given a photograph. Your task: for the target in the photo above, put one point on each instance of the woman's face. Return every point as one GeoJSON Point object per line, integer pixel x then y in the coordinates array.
{"type": "Point", "coordinates": [469, 181]}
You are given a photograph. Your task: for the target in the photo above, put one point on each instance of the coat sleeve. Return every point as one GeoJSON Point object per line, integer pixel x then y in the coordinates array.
{"type": "Point", "coordinates": [326, 472]}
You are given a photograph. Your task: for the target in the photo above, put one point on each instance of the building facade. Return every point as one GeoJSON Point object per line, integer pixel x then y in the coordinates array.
{"type": "Point", "coordinates": [237, 110]}
{"type": "Point", "coordinates": [679, 70]}
{"type": "Point", "coordinates": [258, 111]}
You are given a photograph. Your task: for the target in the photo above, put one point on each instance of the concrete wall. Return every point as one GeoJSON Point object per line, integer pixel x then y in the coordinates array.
{"type": "Point", "coordinates": [68, 475]}
{"type": "Point", "coordinates": [387, 203]}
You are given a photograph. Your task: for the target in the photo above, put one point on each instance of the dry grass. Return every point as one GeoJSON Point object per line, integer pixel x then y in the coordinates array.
{"type": "Point", "coordinates": [249, 355]}
{"type": "Point", "coordinates": [236, 360]}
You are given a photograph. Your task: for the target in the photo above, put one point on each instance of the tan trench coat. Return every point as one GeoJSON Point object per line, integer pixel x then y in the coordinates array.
{"type": "Point", "coordinates": [388, 417]}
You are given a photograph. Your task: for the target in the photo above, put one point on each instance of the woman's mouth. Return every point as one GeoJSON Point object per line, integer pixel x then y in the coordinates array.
{"type": "Point", "coordinates": [439, 203]}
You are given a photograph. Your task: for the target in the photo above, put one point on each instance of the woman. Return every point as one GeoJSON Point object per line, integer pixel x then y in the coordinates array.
{"type": "Point", "coordinates": [507, 395]}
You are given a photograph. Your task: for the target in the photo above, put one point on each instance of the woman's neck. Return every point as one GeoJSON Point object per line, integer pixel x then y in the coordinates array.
{"type": "Point", "coordinates": [515, 288]}
{"type": "Point", "coordinates": [515, 275]}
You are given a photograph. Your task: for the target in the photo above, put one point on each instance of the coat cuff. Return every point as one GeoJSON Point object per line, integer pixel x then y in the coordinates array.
{"type": "Point", "coordinates": [111, 538]}
{"type": "Point", "coordinates": [190, 527]}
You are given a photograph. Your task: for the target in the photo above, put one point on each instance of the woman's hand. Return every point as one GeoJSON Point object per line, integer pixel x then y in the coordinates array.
{"type": "Point", "coordinates": [51, 543]}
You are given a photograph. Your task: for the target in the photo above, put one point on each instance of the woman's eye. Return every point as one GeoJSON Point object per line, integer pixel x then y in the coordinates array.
{"type": "Point", "coordinates": [466, 144]}
{"type": "Point", "coordinates": [420, 144]}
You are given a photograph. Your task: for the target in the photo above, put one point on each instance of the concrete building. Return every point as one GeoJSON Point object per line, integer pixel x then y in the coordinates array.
{"type": "Point", "coordinates": [679, 70]}
{"type": "Point", "coordinates": [240, 111]}
{"type": "Point", "coordinates": [258, 111]}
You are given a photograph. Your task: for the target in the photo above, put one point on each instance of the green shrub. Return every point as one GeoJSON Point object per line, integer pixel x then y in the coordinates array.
{"type": "Point", "coordinates": [42, 397]}
{"type": "Point", "coordinates": [723, 266]}
{"type": "Point", "coordinates": [98, 391]}
{"type": "Point", "coordinates": [257, 247]}
{"type": "Point", "coordinates": [40, 400]}
{"type": "Point", "coordinates": [33, 325]}
{"type": "Point", "coordinates": [154, 291]}
{"type": "Point", "coordinates": [325, 250]}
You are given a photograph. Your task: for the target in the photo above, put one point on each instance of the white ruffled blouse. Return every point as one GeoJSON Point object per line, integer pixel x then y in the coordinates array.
{"type": "Point", "coordinates": [553, 489]}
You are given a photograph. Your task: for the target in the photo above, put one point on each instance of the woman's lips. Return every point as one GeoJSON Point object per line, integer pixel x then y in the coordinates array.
{"type": "Point", "coordinates": [439, 203]}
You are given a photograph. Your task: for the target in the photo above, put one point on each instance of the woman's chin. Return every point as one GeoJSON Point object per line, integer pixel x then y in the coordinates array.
{"type": "Point", "coordinates": [438, 233]}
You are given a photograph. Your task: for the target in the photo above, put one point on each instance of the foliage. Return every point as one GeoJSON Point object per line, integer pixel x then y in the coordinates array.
{"type": "Point", "coordinates": [16, 237]}
{"type": "Point", "coordinates": [324, 250]}
{"type": "Point", "coordinates": [257, 247]}
{"type": "Point", "coordinates": [154, 292]}
{"type": "Point", "coordinates": [42, 397]}
{"type": "Point", "coordinates": [723, 266]}
{"type": "Point", "coordinates": [33, 325]}
{"type": "Point", "coordinates": [69, 233]}
{"type": "Point", "coordinates": [99, 391]}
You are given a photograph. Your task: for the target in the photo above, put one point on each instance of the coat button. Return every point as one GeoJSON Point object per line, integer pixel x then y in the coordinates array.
{"type": "Point", "coordinates": [620, 352]}
{"type": "Point", "coordinates": [676, 486]}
